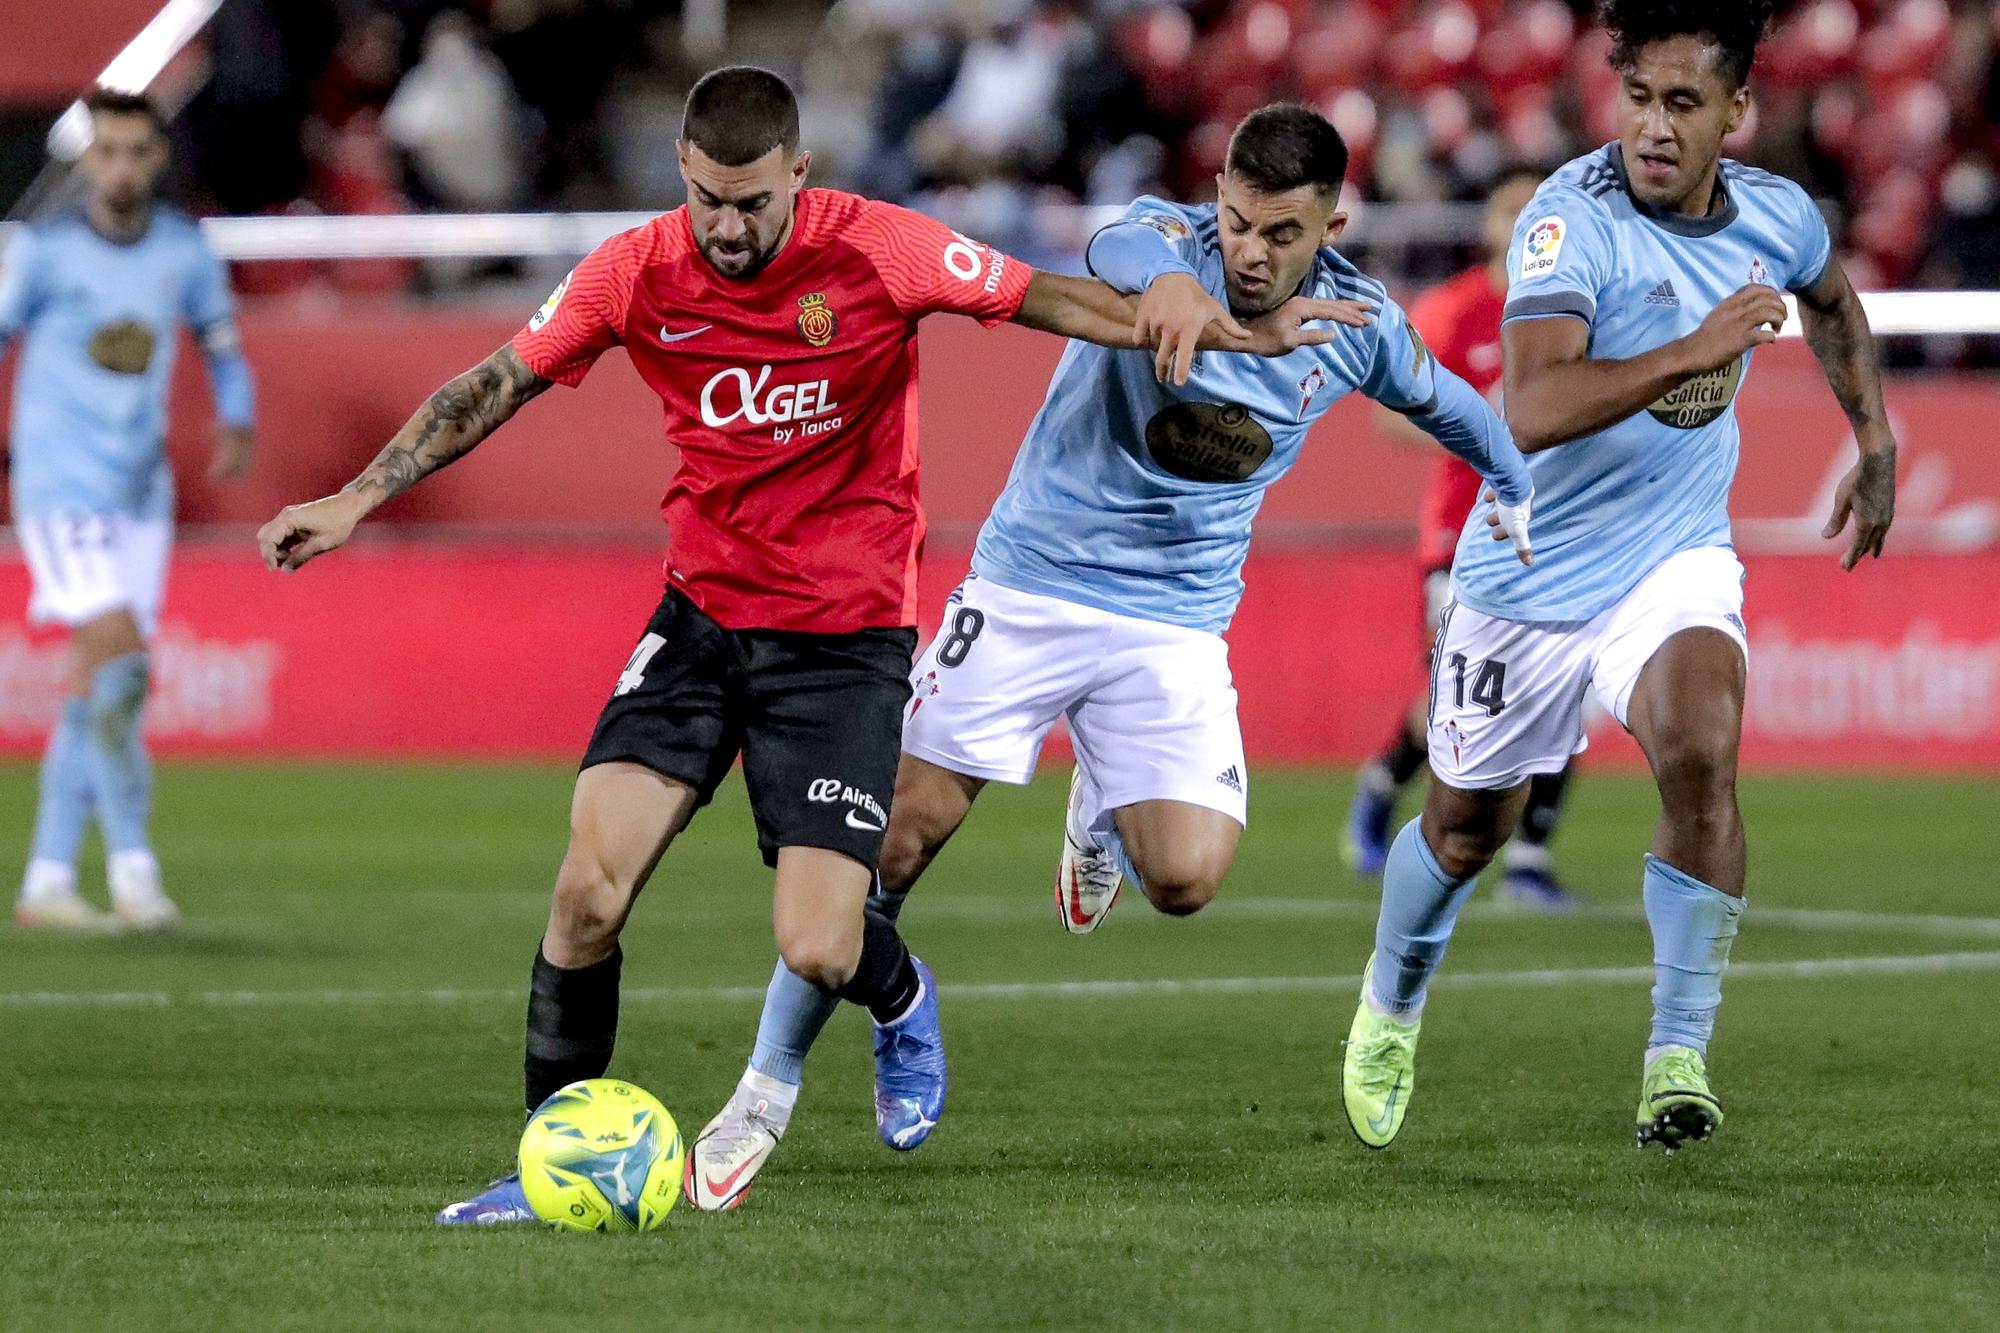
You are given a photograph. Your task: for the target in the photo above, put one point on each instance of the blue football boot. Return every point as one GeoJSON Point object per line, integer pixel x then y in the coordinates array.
{"type": "Point", "coordinates": [1365, 847]}
{"type": "Point", "coordinates": [1534, 885]}
{"type": "Point", "coordinates": [501, 1204]}
{"type": "Point", "coordinates": [909, 1071]}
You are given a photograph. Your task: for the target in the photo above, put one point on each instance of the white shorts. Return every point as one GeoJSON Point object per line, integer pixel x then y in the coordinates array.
{"type": "Point", "coordinates": [86, 565]}
{"type": "Point", "coordinates": [1508, 696]}
{"type": "Point", "coordinates": [1151, 707]}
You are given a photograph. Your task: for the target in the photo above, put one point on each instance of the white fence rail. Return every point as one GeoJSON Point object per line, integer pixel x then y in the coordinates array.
{"type": "Point", "coordinates": [567, 235]}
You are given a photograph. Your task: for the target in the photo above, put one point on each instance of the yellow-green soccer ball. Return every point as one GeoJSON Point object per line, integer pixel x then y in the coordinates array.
{"type": "Point", "coordinates": [601, 1155]}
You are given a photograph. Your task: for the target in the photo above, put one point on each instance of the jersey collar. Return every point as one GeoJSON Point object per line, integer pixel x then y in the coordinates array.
{"type": "Point", "coordinates": [1680, 224]}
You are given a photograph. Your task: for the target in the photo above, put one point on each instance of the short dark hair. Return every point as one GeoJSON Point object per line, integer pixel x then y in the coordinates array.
{"type": "Point", "coordinates": [1734, 26]}
{"type": "Point", "coordinates": [1285, 145]}
{"type": "Point", "coordinates": [116, 102]}
{"type": "Point", "coordinates": [738, 113]}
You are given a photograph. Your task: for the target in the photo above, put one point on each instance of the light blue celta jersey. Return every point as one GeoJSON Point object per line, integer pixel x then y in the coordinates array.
{"type": "Point", "coordinates": [1611, 507]}
{"type": "Point", "coordinates": [1136, 497]}
{"type": "Point", "coordinates": [90, 393]}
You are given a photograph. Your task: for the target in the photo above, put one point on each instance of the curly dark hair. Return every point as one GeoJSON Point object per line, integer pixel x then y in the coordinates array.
{"type": "Point", "coordinates": [1736, 26]}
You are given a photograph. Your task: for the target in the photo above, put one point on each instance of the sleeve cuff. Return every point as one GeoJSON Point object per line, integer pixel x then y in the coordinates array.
{"type": "Point", "coordinates": [1805, 284]}
{"type": "Point", "coordinates": [1537, 305]}
{"type": "Point", "coordinates": [1149, 270]}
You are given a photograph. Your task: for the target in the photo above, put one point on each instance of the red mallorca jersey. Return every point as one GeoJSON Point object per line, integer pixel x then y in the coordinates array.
{"type": "Point", "coordinates": [792, 398]}
{"type": "Point", "coordinates": [1460, 320]}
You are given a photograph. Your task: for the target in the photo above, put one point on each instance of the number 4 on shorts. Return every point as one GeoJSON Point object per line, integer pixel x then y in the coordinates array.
{"type": "Point", "coordinates": [634, 674]}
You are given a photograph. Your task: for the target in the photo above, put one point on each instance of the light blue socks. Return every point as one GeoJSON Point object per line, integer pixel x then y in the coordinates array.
{"type": "Point", "coordinates": [65, 804]}
{"type": "Point", "coordinates": [121, 774]}
{"type": "Point", "coordinates": [1693, 927]}
{"type": "Point", "coordinates": [795, 1010]}
{"type": "Point", "coordinates": [1420, 905]}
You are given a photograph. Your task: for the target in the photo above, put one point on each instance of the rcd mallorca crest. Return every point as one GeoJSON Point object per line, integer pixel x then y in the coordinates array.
{"type": "Point", "coordinates": [817, 324]}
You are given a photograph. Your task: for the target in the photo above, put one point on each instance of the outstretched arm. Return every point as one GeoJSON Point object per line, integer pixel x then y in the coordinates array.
{"type": "Point", "coordinates": [458, 416]}
{"type": "Point", "coordinates": [1836, 328]}
{"type": "Point", "coordinates": [1176, 318]}
{"type": "Point", "coordinates": [1079, 308]}
{"type": "Point", "coordinates": [1460, 420]}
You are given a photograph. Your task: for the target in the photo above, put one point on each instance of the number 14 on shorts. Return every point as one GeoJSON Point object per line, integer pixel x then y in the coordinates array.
{"type": "Point", "coordinates": [1488, 683]}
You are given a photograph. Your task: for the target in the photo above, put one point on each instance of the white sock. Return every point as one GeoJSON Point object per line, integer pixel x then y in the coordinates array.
{"type": "Point", "coordinates": [133, 876]}
{"type": "Point", "coordinates": [1380, 1010]}
{"type": "Point", "coordinates": [770, 1098]}
{"type": "Point", "coordinates": [1518, 855]}
{"type": "Point", "coordinates": [46, 881]}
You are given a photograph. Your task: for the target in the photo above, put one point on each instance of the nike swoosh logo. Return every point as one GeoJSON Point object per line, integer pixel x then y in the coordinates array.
{"type": "Point", "coordinates": [853, 821]}
{"type": "Point", "coordinates": [667, 337]}
{"type": "Point", "coordinates": [720, 1188]}
{"type": "Point", "coordinates": [1381, 1126]}
{"type": "Point", "coordinates": [1076, 912]}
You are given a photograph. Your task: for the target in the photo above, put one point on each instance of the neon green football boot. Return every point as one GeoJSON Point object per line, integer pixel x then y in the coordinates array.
{"type": "Point", "coordinates": [1378, 1072]}
{"type": "Point", "coordinates": [1675, 1104]}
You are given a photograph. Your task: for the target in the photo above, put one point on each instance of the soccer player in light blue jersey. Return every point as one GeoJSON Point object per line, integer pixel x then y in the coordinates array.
{"type": "Point", "coordinates": [1112, 563]}
{"type": "Point", "coordinates": [1647, 273]}
{"type": "Point", "coordinates": [99, 294]}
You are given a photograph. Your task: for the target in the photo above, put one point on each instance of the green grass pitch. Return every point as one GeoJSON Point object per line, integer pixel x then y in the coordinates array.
{"type": "Point", "coordinates": [248, 1124]}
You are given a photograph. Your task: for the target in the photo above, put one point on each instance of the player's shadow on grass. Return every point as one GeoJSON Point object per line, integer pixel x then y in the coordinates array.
{"type": "Point", "coordinates": [213, 941]}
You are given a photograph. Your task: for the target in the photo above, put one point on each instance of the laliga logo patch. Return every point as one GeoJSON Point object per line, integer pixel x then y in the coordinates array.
{"type": "Point", "coordinates": [817, 323]}
{"type": "Point", "coordinates": [548, 309]}
{"type": "Point", "coordinates": [1168, 226]}
{"type": "Point", "coordinates": [1544, 244]}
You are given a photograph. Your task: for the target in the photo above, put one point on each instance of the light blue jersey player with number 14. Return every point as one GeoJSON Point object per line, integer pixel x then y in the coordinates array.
{"type": "Point", "coordinates": [1645, 276]}
{"type": "Point", "coordinates": [99, 295]}
{"type": "Point", "coordinates": [1112, 563]}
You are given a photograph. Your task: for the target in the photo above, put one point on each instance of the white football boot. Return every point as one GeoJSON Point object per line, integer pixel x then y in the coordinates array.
{"type": "Point", "coordinates": [49, 899]}
{"type": "Point", "coordinates": [726, 1156]}
{"type": "Point", "coordinates": [1088, 879]}
{"type": "Point", "coordinates": [136, 895]}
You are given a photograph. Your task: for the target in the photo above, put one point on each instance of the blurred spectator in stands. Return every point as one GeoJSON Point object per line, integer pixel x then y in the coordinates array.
{"type": "Point", "coordinates": [563, 57]}
{"type": "Point", "coordinates": [457, 120]}
{"type": "Point", "coordinates": [245, 130]}
{"type": "Point", "coordinates": [999, 117]}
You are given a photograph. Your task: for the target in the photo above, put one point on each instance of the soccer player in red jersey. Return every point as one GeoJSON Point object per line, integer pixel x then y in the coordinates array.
{"type": "Point", "coordinates": [778, 325]}
{"type": "Point", "coordinates": [1460, 319]}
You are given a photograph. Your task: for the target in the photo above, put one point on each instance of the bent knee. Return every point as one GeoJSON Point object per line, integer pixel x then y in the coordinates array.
{"type": "Point", "coordinates": [818, 960]}
{"type": "Point", "coordinates": [1462, 855]}
{"type": "Point", "coordinates": [1695, 775]}
{"type": "Point", "coordinates": [590, 903]}
{"type": "Point", "coordinates": [1184, 888]}
{"type": "Point", "coordinates": [906, 853]}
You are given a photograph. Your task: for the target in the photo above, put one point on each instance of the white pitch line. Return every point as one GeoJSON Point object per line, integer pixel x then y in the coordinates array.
{"type": "Point", "coordinates": [1227, 908]}
{"type": "Point", "coordinates": [1889, 965]}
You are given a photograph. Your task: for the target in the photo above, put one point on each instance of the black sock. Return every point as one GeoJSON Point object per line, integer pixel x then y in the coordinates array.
{"type": "Point", "coordinates": [572, 1024]}
{"type": "Point", "coordinates": [1545, 798]}
{"type": "Point", "coordinates": [1404, 758]}
{"type": "Point", "coordinates": [885, 980]}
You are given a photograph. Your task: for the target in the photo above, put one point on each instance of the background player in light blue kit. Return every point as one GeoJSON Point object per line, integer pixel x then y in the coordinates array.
{"type": "Point", "coordinates": [1111, 564]}
{"type": "Point", "coordinates": [1647, 273]}
{"type": "Point", "coordinates": [100, 293]}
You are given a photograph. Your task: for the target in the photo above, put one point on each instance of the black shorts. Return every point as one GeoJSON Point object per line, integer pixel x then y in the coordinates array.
{"type": "Point", "coordinates": [818, 719]}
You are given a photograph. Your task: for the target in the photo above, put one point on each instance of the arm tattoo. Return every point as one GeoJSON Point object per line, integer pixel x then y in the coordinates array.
{"type": "Point", "coordinates": [458, 416]}
{"type": "Point", "coordinates": [1838, 334]}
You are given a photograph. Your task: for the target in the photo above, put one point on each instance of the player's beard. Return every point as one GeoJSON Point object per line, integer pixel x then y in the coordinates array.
{"type": "Point", "coordinates": [737, 263]}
